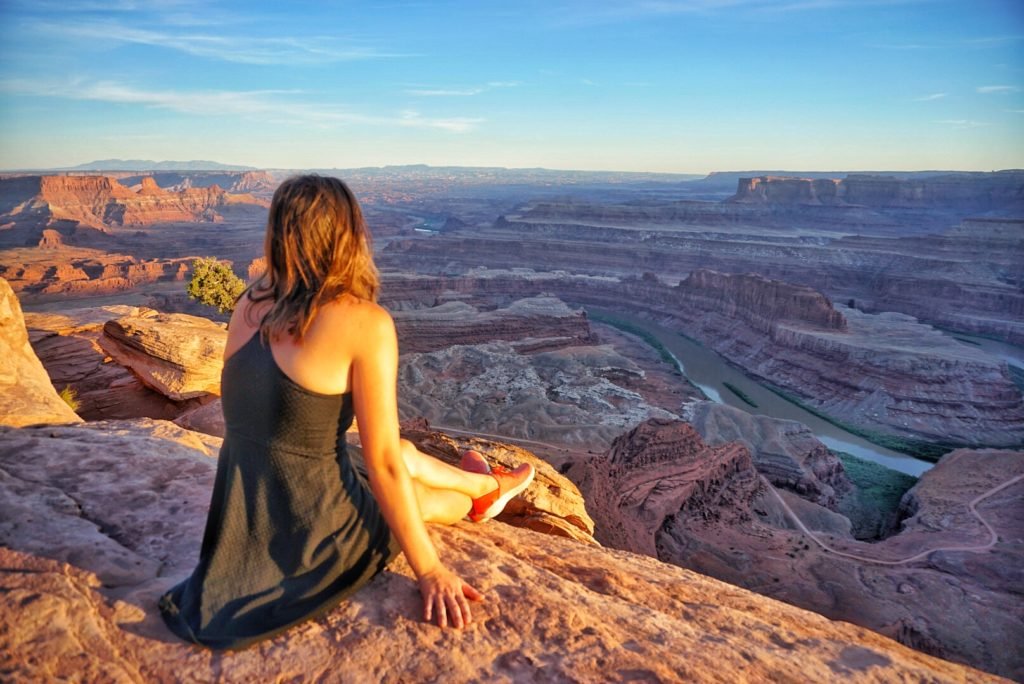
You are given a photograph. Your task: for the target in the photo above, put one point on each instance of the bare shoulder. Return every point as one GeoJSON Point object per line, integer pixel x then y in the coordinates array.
{"type": "Point", "coordinates": [360, 321]}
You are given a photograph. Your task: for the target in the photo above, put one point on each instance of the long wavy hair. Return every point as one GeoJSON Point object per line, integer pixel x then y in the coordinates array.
{"type": "Point", "coordinates": [317, 248]}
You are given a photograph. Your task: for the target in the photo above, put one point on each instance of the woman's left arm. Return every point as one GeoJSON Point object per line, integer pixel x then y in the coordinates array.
{"type": "Point", "coordinates": [374, 386]}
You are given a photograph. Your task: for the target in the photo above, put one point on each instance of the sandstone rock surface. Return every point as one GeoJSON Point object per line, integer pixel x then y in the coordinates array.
{"type": "Point", "coordinates": [177, 355]}
{"type": "Point", "coordinates": [67, 343]}
{"type": "Point", "coordinates": [26, 394]}
{"type": "Point", "coordinates": [556, 609]}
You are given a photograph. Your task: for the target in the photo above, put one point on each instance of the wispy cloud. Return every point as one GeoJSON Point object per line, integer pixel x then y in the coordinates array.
{"type": "Point", "coordinates": [597, 11]}
{"type": "Point", "coordinates": [962, 123]}
{"type": "Point", "coordinates": [930, 98]}
{"type": "Point", "coordinates": [278, 106]}
{"type": "Point", "coordinates": [240, 49]}
{"type": "Point", "coordinates": [998, 89]}
{"type": "Point", "coordinates": [980, 42]}
{"type": "Point", "coordinates": [460, 92]}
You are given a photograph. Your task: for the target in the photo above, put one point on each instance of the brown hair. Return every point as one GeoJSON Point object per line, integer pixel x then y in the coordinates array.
{"type": "Point", "coordinates": [317, 248]}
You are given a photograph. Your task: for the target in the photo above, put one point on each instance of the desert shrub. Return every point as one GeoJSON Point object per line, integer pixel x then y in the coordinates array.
{"type": "Point", "coordinates": [70, 397]}
{"type": "Point", "coordinates": [215, 284]}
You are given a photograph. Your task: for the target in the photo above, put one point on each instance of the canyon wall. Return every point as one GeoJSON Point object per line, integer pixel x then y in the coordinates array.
{"type": "Point", "coordinates": [884, 373]}
{"type": "Point", "coordinates": [1002, 190]}
{"type": "Point", "coordinates": [87, 273]}
{"type": "Point", "coordinates": [102, 201]}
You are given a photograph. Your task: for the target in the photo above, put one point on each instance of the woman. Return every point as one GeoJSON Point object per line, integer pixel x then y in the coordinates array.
{"type": "Point", "coordinates": [292, 527]}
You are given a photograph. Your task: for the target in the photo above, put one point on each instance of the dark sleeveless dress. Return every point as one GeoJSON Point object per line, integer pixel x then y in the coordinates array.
{"type": "Point", "coordinates": [293, 528]}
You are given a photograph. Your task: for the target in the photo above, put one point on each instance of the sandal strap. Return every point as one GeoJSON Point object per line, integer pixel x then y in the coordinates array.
{"type": "Point", "coordinates": [482, 503]}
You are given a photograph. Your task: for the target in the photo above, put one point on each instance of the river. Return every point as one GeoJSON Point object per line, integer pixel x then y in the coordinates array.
{"type": "Point", "coordinates": [709, 371]}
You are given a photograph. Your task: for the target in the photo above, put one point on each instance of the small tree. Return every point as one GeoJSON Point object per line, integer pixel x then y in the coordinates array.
{"type": "Point", "coordinates": [214, 284]}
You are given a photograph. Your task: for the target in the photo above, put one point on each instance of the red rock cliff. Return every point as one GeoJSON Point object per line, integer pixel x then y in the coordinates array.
{"type": "Point", "coordinates": [759, 301]}
{"type": "Point", "coordinates": [979, 191]}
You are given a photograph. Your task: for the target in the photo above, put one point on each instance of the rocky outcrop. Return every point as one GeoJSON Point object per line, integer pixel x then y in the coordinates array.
{"type": "Point", "coordinates": [661, 471]}
{"type": "Point", "coordinates": [545, 320]}
{"type": "Point", "coordinates": [102, 202]}
{"type": "Point", "coordinates": [99, 520]}
{"type": "Point", "coordinates": [67, 343]}
{"type": "Point", "coordinates": [784, 190]}
{"type": "Point", "coordinates": [971, 191]}
{"type": "Point", "coordinates": [178, 355]}
{"type": "Point", "coordinates": [27, 396]}
{"type": "Point", "coordinates": [260, 183]}
{"type": "Point", "coordinates": [760, 302]}
{"type": "Point", "coordinates": [86, 273]}
{"type": "Point", "coordinates": [568, 396]}
{"type": "Point", "coordinates": [784, 451]}
{"type": "Point", "coordinates": [908, 586]}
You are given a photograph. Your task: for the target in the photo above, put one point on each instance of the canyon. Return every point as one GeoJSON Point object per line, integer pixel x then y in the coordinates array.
{"type": "Point", "coordinates": [100, 518]}
{"type": "Point", "coordinates": [662, 491]}
{"type": "Point", "coordinates": [853, 296]}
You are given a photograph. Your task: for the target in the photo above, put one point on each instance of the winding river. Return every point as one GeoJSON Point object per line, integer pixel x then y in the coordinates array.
{"type": "Point", "coordinates": [709, 371]}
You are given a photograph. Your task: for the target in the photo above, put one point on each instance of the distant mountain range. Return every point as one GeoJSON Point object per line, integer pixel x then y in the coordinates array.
{"type": "Point", "coordinates": [149, 165]}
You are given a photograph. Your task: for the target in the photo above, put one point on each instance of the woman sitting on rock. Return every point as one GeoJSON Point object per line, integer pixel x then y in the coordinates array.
{"type": "Point", "coordinates": [293, 527]}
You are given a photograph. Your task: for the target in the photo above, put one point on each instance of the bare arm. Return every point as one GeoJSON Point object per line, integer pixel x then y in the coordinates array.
{"type": "Point", "coordinates": [374, 385]}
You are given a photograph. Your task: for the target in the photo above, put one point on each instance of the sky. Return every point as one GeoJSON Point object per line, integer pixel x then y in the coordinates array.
{"type": "Point", "coordinates": [688, 86]}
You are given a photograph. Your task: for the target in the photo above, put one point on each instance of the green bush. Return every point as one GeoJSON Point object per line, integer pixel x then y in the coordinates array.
{"type": "Point", "coordinates": [70, 397]}
{"type": "Point", "coordinates": [215, 284]}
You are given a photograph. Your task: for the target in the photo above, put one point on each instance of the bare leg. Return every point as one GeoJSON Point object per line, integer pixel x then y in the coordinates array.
{"type": "Point", "coordinates": [435, 474]}
{"type": "Point", "coordinates": [443, 506]}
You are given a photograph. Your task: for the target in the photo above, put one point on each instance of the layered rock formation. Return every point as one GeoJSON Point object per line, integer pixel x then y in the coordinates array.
{"type": "Point", "coordinates": [91, 541]}
{"type": "Point", "coordinates": [548, 322]}
{"type": "Point", "coordinates": [884, 373]}
{"type": "Point", "coordinates": [958, 540]}
{"type": "Point", "coordinates": [178, 355]}
{"type": "Point", "coordinates": [661, 470]}
{"type": "Point", "coordinates": [784, 451]}
{"type": "Point", "coordinates": [884, 258]}
{"type": "Point", "coordinates": [971, 191]}
{"type": "Point", "coordinates": [27, 396]}
{"type": "Point", "coordinates": [67, 343]}
{"type": "Point", "coordinates": [260, 183]}
{"type": "Point", "coordinates": [103, 201]}
{"type": "Point", "coordinates": [81, 272]}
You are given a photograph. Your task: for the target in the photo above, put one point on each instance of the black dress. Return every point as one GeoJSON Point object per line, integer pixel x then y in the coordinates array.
{"type": "Point", "coordinates": [293, 528]}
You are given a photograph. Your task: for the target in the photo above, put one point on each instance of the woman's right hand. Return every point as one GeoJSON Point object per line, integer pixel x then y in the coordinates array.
{"type": "Point", "coordinates": [446, 597]}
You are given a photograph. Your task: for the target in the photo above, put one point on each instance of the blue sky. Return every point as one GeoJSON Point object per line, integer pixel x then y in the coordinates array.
{"type": "Point", "coordinates": [661, 85]}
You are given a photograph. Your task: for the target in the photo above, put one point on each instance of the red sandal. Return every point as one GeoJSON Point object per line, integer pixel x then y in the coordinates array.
{"type": "Point", "coordinates": [510, 483]}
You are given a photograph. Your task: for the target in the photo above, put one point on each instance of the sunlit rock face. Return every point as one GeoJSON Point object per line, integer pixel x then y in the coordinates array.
{"type": "Point", "coordinates": [97, 521]}
{"type": "Point", "coordinates": [67, 343]}
{"type": "Point", "coordinates": [178, 355]}
{"type": "Point", "coordinates": [26, 394]}
{"type": "Point", "coordinates": [102, 201]}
